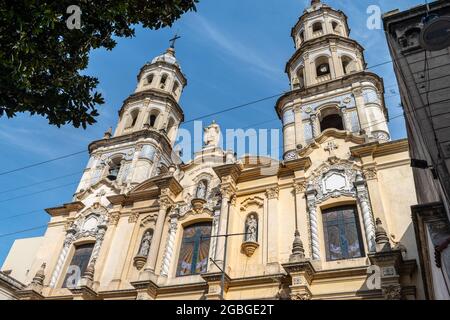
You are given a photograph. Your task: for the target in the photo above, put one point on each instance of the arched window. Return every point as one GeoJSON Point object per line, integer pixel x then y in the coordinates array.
{"type": "Point", "coordinates": [342, 233]}
{"type": "Point", "coordinates": [301, 77]}
{"type": "Point", "coordinates": [322, 66]}
{"type": "Point", "coordinates": [114, 168]}
{"type": "Point", "coordinates": [153, 119]}
{"type": "Point", "coordinates": [348, 65]}
{"type": "Point", "coordinates": [133, 118]}
{"type": "Point", "coordinates": [331, 121]}
{"type": "Point", "coordinates": [150, 78]}
{"type": "Point", "coordinates": [302, 37]}
{"type": "Point", "coordinates": [78, 265]}
{"type": "Point", "coordinates": [317, 28]}
{"type": "Point", "coordinates": [194, 251]}
{"type": "Point", "coordinates": [176, 85]}
{"type": "Point", "coordinates": [162, 84]}
{"type": "Point", "coordinates": [336, 27]}
{"type": "Point", "coordinates": [170, 128]}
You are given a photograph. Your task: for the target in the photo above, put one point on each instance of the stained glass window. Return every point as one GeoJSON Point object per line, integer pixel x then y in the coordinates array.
{"type": "Point", "coordinates": [78, 264]}
{"type": "Point", "coordinates": [342, 233]}
{"type": "Point", "coordinates": [194, 252]}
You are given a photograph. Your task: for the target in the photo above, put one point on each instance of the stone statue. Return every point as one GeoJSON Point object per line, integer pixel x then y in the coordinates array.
{"type": "Point", "coordinates": [201, 190]}
{"type": "Point", "coordinates": [251, 229]}
{"type": "Point", "coordinates": [211, 135]}
{"type": "Point", "coordinates": [145, 244]}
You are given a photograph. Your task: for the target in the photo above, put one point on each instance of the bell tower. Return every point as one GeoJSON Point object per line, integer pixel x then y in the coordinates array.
{"type": "Point", "coordinates": [142, 144]}
{"type": "Point", "coordinates": [330, 86]}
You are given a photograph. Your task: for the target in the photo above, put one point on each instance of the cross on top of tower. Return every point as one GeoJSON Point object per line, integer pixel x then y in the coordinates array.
{"type": "Point", "coordinates": [173, 40]}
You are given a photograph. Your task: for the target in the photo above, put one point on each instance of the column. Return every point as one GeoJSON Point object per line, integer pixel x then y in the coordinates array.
{"type": "Point", "coordinates": [164, 203]}
{"type": "Point", "coordinates": [313, 227]}
{"type": "Point", "coordinates": [315, 126]}
{"type": "Point", "coordinates": [60, 263]}
{"type": "Point", "coordinates": [214, 233]}
{"type": "Point", "coordinates": [272, 221]}
{"type": "Point", "coordinates": [299, 139]}
{"type": "Point", "coordinates": [360, 107]}
{"type": "Point", "coordinates": [364, 202]}
{"type": "Point", "coordinates": [337, 65]}
{"type": "Point", "coordinates": [101, 230]}
{"type": "Point", "coordinates": [227, 192]}
{"type": "Point", "coordinates": [168, 254]}
{"type": "Point", "coordinates": [310, 73]}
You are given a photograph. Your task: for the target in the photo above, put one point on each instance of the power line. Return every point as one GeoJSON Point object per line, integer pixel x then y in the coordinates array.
{"type": "Point", "coordinates": [40, 182]}
{"type": "Point", "coordinates": [188, 121]}
{"type": "Point", "coordinates": [43, 162]}
{"type": "Point", "coordinates": [22, 231]}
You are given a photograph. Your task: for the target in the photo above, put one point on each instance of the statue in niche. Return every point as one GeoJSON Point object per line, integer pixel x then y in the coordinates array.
{"type": "Point", "coordinates": [201, 190]}
{"type": "Point", "coordinates": [145, 243]}
{"type": "Point", "coordinates": [251, 229]}
{"type": "Point", "coordinates": [212, 135]}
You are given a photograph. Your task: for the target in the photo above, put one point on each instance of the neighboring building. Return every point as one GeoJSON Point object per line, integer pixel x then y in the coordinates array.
{"type": "Point", "coordinates": [143, 226]}
{"type": "Point", "coordinates": [424, 82]}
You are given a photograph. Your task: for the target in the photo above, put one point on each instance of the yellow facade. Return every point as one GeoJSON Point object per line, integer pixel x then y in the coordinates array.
{"type": "Point", "coordinates": [316, 225]}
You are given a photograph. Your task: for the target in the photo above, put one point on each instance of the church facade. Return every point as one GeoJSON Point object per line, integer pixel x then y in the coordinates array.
{"type": "Point", "coordinates": [331, 221]}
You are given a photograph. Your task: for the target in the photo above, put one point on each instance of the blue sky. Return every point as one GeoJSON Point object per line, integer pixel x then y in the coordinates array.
{"type": "Point", "coordinates": [232, 52]}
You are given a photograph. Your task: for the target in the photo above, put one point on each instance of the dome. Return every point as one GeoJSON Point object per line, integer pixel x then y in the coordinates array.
{"type": "Point", "coordinates": [167, 57]}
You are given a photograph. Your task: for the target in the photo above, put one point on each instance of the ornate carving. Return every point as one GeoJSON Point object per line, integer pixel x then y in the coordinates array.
{"type": "Point", "coordinates": [381, 136]}
{"type": "Point", "coordinates": [392, 292]}
{"type": "Point", "coordinates": [168, 253]}
{"type": "Point", "coordinates": [364, 202]}
{"type": "Point", "coordinates": [226, 191]}
{"type": "Point", "coordinates": [114, 218]}
{"type": "Point", "coordinates": [370, 173]}
{"type": "Point", "coordinates": [164, 203]}
{"type": "Point", "coordinates": [249, 247]}
{"type": "Point", "coordinates": [272, 193]}
{"type": "Point", "coordinates": [313, 225]}
{"type": "Point", "coordinates": [324, 178]}
{"type": "Point", "coordinates": [133, 217]}
{"type": "Point", "coordinates": [301, 296]}
{"type": "Point", "coordinates": [300, 187]}
{"type": "Point", "coordinates": [252, 201]}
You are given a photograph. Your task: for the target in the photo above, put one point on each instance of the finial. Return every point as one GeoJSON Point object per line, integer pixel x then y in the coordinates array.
{"type": "Point", "coordinates": [90, 270]}
{"type": "Point", "coordinates": [298, 252]}
{"type": "Point", "coordinates": [313, 2]}
{"type": "Point", "coordinates": [38, 280]}
{"type": "Point", "coordinates": [381, 237]}
{"type": "Point", "coordinates": [108, 133]}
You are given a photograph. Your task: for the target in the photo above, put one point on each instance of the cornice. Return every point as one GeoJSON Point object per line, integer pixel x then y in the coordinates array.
{"type": "Point", "coordinates": [319, 42]}
{"type": "Point", "coordinates": [65, 209]}
{"type": "Point", "coordinates": [132, 137]}
{"type": "Point", "coordinates": [159, 64]}
{"type": "Point", "coordinates": [377, 149]}
{"type": "Point", "coordinates": [321, 10]}
{"type": "Point", "coordinates": [153, 94]}
{"type": "Point", "coordinates": [232, 170]}
{"type": "Point", "coordinates": [321, 88]}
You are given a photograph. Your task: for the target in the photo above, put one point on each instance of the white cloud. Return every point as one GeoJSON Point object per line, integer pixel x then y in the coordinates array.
{"type": "Point", "coordinates": [235, 48]}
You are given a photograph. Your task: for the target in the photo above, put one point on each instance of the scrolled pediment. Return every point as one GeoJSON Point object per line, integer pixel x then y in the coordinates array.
{"type": "Point", "coordinates": [252, 201]}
